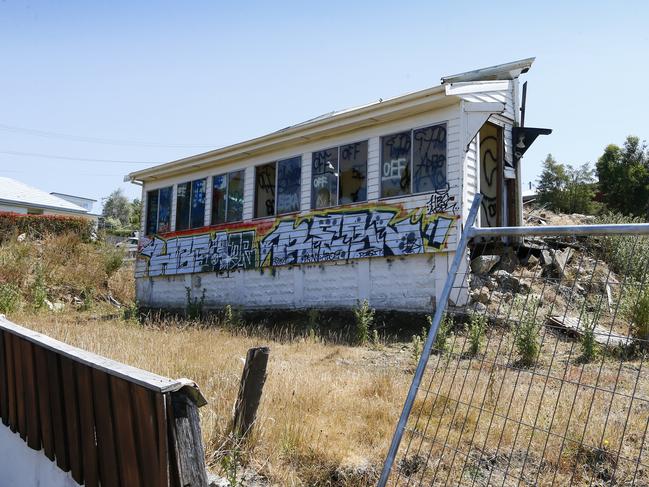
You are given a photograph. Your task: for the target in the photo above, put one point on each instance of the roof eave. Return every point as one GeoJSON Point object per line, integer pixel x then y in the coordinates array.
{"type": "Point", "coordinates": [41, 206]}
{"type": "Point", "coordinates": [318, 128]}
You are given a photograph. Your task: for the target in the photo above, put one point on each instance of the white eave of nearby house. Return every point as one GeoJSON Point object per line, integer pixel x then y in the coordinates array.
{"type": "Point", "coordinates": [334, 123]}
{"type": "Point", "coordinates": [16, 193]}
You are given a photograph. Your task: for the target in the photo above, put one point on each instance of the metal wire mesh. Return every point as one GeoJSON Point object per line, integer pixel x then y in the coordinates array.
{"type": "Point", "coordinates": [538, 377]}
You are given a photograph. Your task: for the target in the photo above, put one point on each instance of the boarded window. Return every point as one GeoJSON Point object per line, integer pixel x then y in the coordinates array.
{"type": "Point", "coordinates": [429, 158]}
{"type": "Point", "coordinates": [395, 164]}
{"type": "Point", "coordinates": [289, 179]}
{"type": "Point", "coordinates": [353, 173]}
{"type": "Point", "coordinates": [265, 190]}
{"type": "Point", "coordinates": [190, 204]}
{"type": "Point", "coordinates": [158, 212]}
{"type": "Point", "coordinates": [227, 197]}
{"type": "Point", "coordinates": [324, 178]}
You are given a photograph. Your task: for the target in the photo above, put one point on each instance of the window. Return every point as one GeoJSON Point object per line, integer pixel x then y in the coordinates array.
{"type": "Point", "coordinates": [338, 175]}
{"type": "Point", "coordinates": [429, 158]}
{"type": "Point", "coordinates": [227, 197]}
{"type": "Point", "coordinates": [277, 187]}
{"type": "Point", "coordinates": [158, 214]}
{"type": "Point", "coordinates": [426, 148]}
{"type": "Point", "coordinates": [190, 204]}
{"type": "Point", "coordinates": [324, 177]}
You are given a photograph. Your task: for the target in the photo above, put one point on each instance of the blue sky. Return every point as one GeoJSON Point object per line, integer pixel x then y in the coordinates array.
{"type": "Point", "coordinates": [202, 75]}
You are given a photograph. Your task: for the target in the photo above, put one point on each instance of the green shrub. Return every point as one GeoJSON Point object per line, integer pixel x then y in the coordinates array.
{"type": "Point", "coordinates": [113, 258]}
{"type": "Point", "coordinates": [444, 333]}
{"type": "Point", "coordinates": [625, 254]}
{"type": "Point", "coordinates": [38, 226]}
{"type": "Point", "coordinates": [477, 328]}
{"type": "Point", "coordinates": [527, 336]}
{"type": "Point", "coordinates": [636, 310]}
{"type": "Point", "coordinates": [417, 347]}
{"type": "Point", "coordinates": [194, 306]}
{"type": "Point", "coordinates": [9, 298]}
{"type": "Point", "coordinates": [364, 316]}
{"type": "Point", "coordinates": [38, 290]}
{"type": "Point", "coordinates": [231, 316]}
{"type": "Point", "coordinates": [588, 343]}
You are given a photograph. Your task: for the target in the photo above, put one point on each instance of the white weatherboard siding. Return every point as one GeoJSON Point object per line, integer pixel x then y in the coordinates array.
{"type": "Point", "coordinates": [401, 283]}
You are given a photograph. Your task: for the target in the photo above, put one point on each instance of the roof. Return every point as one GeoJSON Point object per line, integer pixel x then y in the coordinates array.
{"type": "Point", "coordinates": [73, 196]}
{"type": "Point", "coordinates": [334, 122]}
{"type": "Point", "coordinates": [20, 194]}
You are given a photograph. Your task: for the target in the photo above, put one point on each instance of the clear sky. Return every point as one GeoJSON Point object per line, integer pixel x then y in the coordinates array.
{"type": "Point", "coordinates": [145, 81]}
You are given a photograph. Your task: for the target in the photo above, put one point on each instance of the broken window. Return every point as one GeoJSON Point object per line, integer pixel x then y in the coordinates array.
{"type": "Point", "coordinates": [227, 197]}
{"type": "Point", "coordinates": [338, 175]}
{"type": "Point", "coordinates": [281, 178]}
{"type": "Point", "coordinates": [158, 212]}
{"type": "Point", "coordinates": [429, 158]}
{"type": "Point", "coordinates": [353, 173]}
{"type": "Point", "coordinates": [190, 204]}
{"type": "Point", "coordinates": [324, 178]}
{"type": "Point", "coordinates": [413, 161]}
{"type": "Point", "coordinates": [395, 164]}
{"type": "Point", "coordinates": [265, 190]}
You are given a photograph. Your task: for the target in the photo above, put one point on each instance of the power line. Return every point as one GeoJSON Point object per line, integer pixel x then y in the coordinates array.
{"type": "Point", "coordinates": [97, 140]}
{"type": "Point", "coordinates": [69, 158]}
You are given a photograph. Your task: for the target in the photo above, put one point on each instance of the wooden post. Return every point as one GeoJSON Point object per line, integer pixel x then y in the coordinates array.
{"type": "Point", "coordinates": [252, 384]}
{"type": "Point", "coordinates": [187, 444]}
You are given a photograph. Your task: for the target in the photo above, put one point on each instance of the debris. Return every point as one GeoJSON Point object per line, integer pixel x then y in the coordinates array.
{"type": "Point", "coordinates": [546, 257]}
{"type": "Point", "coordinates": [21, 237]}
{"type": "Point", "coordinates": [508, 260]}
{"type": "Point", "coordinates": [507, 281]}
{"type": "Point", "coordinates": [58, 306]}
{"type": "Point", "coordinates": [602, 336]}
{"type": "Point", "coordinates": [560, 259]}
{"type": "Point", "coordinates": [532, 261]}
{"type": "Point", "coordinates": [484, 263]}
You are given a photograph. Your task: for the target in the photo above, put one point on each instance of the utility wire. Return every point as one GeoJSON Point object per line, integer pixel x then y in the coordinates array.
{"type": "Point", "coordinates": [68, 158]}
{"type": "Point", "coordinates": [97, 140]}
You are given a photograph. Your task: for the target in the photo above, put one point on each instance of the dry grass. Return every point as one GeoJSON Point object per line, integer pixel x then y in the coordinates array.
{"type": "Point", "coordinates": [327, 413]}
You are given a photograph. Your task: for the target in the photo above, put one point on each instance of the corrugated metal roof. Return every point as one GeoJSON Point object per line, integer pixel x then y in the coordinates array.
{"type": "Point", "coordinates": [12, 191]}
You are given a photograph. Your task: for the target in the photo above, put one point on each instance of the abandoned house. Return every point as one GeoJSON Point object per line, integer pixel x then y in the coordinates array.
{"type": "Point", "coordinates": [364, 203]}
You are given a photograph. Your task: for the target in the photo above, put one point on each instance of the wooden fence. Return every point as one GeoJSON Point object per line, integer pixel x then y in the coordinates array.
{"type": "Point", "coordinates": [107, 423]}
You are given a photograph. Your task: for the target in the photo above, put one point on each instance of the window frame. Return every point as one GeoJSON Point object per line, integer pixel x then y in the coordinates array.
{"type": "Point", "coordinates": [254, 199]}
{"type": "Point", "coordinates": [412, 149]}
{"type": "Point", "coordinates": [337, 147]}
{"type": "Point", "coordinates": [157, 214]}
{"type": "Point", "coordinates": [191, 194]}
{"type": "Point", "coordinates": [227, 196]}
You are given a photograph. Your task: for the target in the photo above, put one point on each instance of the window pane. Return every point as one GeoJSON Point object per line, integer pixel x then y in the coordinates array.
{"type": "Point", "coordinates": [164, 212]}
{"type": "Point", "coordinates": [152, 212]}
{"type": "Point", "coordinates": [324, 178]}
{"type": "Point", "coordinates": [289, 173]}
{"type": "Point", "coordinates": [353, 173]}
{"type": "Point", "coordinates": [182, 206]}
{"type": "Point", "coordinates": [265, 190]}
{"type": "Point", "coordinates": [198, 203]}
{"type": "Point", "coordinates": [429, 158]}
{"type": "Point", "coordinates": [395, 164]}
{"type": "Point", "coordinates": [235, 196]}
{"type": "Point", "coordinates": [219, 193]}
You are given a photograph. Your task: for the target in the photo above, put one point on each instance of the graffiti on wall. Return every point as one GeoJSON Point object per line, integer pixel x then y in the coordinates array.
{"type": "Point", "coordinates": [342, 234]}
{"type": "Point", "coordinates": [490, 156]}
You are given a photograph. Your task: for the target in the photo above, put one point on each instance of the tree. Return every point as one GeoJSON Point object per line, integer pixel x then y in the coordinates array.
{"type": "Point", "coordinates": [135, 214]}
{"type": "Point", "coordinates": [117, 208]}
{"type": "Point", "coordinates": [623, 174]}
{"type": "Point", "coordinates": [566, 189]}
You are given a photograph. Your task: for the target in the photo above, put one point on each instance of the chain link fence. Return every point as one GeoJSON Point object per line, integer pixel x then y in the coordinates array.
{"type": "Point", "coordinates": [538, 376]}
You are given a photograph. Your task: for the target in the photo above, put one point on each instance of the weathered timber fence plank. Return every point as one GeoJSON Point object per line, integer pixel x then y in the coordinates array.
{"type": "Point", "coordinates": [87, 425]}
{"type": "Point", "coordinates": [250, 389]}
{"type": "Point", "coordinates": [44, 410]}
{"type": "Point", "coordinates": [58, 412]}
{"type": "Point", "coordinates": [71, 407]}
{"type": "Point", "coordinates": [31, 396]}
{"type": "Point", "coordinates": [108, 472]}
{"type": "Point", "coordinates": [11, 382]}
{"type": "Point", "coordinates": [124, 432]}
{"type": "Point", "coordinates": [186, 437]}
{"type": "Point", "coordinates": [21, 408]}
{"type": "Point", "coordinates": [4, 399]}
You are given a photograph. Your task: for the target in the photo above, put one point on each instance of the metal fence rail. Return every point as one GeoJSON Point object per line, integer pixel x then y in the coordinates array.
{"type": "Point", "coordinates": [538, 377]}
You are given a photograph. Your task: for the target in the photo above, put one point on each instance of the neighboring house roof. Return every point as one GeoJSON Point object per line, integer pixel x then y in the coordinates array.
{"type": "Point", "coordinates": [20, 194]}
{"type": "Point", "coordinates": [73, 196]}
{"type": "Point", "coordinates": [336, 122]}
